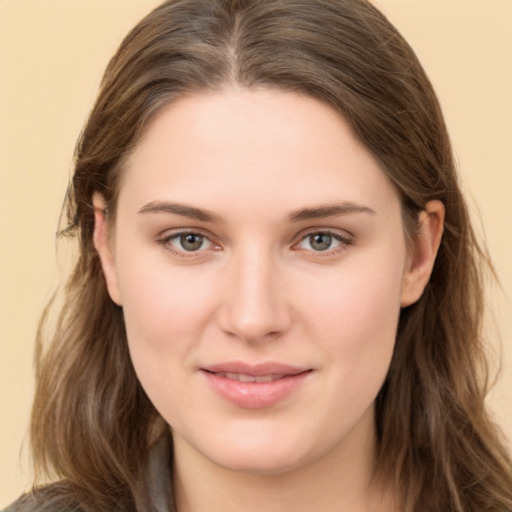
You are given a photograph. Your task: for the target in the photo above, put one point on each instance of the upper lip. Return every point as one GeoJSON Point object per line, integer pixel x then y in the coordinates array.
{"type": "Point", "coordinates": [257, 370]}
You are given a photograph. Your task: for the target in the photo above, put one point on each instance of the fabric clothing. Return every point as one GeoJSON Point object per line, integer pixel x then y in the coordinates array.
{"type": "Point", "coordinates": [153, 493]}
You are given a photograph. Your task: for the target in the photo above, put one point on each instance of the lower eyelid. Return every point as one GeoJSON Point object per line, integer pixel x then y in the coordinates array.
{"type": "Point", "coordinates": [166, 242]}
{"type": "Point", "coordinates": [343, 240]}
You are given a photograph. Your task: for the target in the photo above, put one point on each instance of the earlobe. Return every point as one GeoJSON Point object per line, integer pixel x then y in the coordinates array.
{"type": "Point", "coordinates": [102, 243]}
{"type": "Point", "coordinates": [422, 252]}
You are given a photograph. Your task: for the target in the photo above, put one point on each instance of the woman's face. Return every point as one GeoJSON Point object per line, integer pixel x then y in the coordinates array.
{"type": "Point", "coordinates": [259, 256]}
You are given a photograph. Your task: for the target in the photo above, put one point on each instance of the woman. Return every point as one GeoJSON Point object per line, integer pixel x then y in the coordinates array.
{"type": "Point", "coordinates": [278, 295]}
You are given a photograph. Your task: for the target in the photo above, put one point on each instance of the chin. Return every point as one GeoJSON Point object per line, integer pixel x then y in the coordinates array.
{"type": "Point", "coordinates": [262, 456]}
{"type": "Point", "coordinates": [268, 463]}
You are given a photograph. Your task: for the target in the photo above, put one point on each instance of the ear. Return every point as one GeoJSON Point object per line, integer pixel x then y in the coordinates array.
{"type": "Point", "coordinates": [422, 252]}
{"type": "Point", "coordinates": [103, 245]}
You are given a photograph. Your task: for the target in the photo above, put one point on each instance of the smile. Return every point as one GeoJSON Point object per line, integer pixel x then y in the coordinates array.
{"type": "Point", "coordinates": [242, 377]}
{"type": "Point", "coordinates": [255, 386]}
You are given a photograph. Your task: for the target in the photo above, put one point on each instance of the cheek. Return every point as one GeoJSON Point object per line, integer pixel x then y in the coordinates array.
{"type": "Point", "coordinates": [362, 297]}
{"type": "Point", "coordinates": [165, 314]}
{"type": "Point", "coordinates": [356, 318]}
{"type": "Point", "coordinates": [165, 309]}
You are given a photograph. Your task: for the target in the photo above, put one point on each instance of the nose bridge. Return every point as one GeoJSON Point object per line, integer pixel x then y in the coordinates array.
{"type": "Point", "coordinates": [255, 307]}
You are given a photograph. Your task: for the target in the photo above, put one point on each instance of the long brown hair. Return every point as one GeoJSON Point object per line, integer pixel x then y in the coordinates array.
{"type": "Point", "coordinates": [92, 423]}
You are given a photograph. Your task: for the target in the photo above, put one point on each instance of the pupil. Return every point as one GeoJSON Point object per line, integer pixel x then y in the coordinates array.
{"type": "Point", "coordinates": [191, 242]}
{"type": "Point", "coordinates": [320, 241]}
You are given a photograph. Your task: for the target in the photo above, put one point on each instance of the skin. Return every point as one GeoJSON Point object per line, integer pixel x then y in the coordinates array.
{"type": "Point", "coordinates": [258, 289]}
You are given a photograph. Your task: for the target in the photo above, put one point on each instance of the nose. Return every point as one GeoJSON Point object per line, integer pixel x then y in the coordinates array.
{"type": "Point", "coordinates": [254, 306]}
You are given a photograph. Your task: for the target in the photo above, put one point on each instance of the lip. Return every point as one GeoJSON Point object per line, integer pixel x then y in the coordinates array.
{"type": "Point", "coordinates": [255, 395]}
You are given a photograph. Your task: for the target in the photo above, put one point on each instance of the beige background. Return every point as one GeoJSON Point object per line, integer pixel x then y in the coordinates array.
{"type": "Point", "coordinates": [52, 54]}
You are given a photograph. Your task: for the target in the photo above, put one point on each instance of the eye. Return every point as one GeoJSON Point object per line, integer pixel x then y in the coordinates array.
{"type": "Point", "coordinates": [187, 242]}
{"type": "Point", "coordinates": [323, 241]}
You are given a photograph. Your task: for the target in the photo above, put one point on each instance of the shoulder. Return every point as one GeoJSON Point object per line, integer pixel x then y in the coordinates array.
{"type": "Point", "coordinates": [153, 490]}
{"type": "Point", "coordinates": [55, 497]}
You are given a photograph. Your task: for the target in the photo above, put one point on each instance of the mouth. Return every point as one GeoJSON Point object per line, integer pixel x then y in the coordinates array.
{"type": "Point", "coordinates": [242, 377]}
{"type": "Point", "coordinates": [272, 370]}
{"type": "Point", "coordinates": [255, 386]}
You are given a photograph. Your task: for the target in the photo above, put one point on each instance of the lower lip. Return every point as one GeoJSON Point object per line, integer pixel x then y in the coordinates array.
{"type": "Point", "coordinates": [255, 395]}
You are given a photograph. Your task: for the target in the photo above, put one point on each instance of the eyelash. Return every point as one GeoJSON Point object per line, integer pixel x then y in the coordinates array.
{"type": "Point", "coordinates": [166, 242]}
{"type": "Point", "coordinates": [344, 242]}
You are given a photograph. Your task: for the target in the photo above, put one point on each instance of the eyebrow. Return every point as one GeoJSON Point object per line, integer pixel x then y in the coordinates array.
{"type": "Point", "coordinates": [180, 209]}
{"type": "Point", "coordinates": [329, 210]}
{"type": "Point", "coordinates": [318, 212]}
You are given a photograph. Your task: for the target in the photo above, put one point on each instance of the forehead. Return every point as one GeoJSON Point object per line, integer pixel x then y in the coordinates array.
{"type": "Point", "coordinates": [245, 145]}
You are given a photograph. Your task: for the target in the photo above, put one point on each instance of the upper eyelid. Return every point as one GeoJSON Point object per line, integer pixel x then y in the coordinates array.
{"type": "Point", "coordinates": [171, 233]}
{"type": "Point", "coordinates": [340, 234]}
{"type": "Point", "coordinates": [166, 237]}
{"type": "Point", "coordinates": [344, 241]}
{"type": "Point", "coordinates": [336, 232]}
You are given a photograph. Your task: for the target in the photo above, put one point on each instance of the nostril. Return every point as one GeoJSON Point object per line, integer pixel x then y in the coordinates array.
{"type": "Point", "coordinates": [253, 308]}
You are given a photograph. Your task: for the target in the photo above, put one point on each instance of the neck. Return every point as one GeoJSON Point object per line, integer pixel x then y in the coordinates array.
{"type": "Point", "coordinates": [338, 480]}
